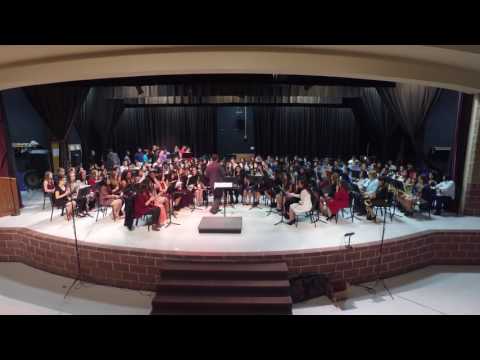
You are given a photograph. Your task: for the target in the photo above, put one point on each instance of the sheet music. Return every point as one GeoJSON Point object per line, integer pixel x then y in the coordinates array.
{"type": "Point", "coordinates": [223, 185]}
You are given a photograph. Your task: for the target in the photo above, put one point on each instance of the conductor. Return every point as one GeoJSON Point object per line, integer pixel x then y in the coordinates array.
{"type": "Point", "coordinates": [215, 173]}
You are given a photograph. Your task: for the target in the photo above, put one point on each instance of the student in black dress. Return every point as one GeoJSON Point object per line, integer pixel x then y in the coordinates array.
{"type": "Point", "coordinates": [62, 198]}
{"type": "Point", "coordinates": [239, 179]}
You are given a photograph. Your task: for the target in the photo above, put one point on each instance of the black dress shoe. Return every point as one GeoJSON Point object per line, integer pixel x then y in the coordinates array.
{"type": "Point", "coordinates": [291, 222]}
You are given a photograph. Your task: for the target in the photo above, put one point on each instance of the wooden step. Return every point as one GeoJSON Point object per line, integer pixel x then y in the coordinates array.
{"type": "Point", "coordinates": [224, 287]}
{"type": "Point", "coordinates": [163, 304]}
{"type": "Point", "coordinates": [181, 270]}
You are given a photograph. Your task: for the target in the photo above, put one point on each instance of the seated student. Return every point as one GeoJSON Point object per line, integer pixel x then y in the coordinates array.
{"type": "Point", "coordinates": [340, 200]}
{"type": "Point", "coordinates": [327, 189]}
{"type": "Point", "coordinates": [367, 188]}
{"type": "Point", "coordinates": [108, 198]}
{"type": "Point", "coordinates": [363, 177]}
{"type": "Point", "coordinates": [93, 178]}
{"type": "Point", "coordinates": [377, 198]}
{"type": "Point", "coordinates": [48, 183]}
{"type": "Point", "coordinates": [144, 205]}
{"type": "Point", "coordinates": [62, 197]}
{"type": "Point", "coordinates": [139, 156]}
{"type": "Point", "coordinates": [371, 184]}
{"type": "Point", "coordinates": [305, 203]}
{"type": "Point", "coordinates": [60, 174]}
{"type": "Point", "coordinates": [407, 198]}
{"type": "Point", "coordinates": [445, 193]}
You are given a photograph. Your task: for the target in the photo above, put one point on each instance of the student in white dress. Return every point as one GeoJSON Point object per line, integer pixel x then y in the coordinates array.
{"type": "Point", "coordinates": [303, 206]}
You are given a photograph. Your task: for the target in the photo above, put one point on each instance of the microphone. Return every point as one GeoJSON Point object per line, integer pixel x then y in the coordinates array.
{"type": "Point", "coordinates": [348, 246]}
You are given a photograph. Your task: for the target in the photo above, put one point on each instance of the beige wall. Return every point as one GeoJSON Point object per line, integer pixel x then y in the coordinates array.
{"type": "Point", "coordinates": [159, 61]}
{"type": "Point", "coordinates": [470, 202]}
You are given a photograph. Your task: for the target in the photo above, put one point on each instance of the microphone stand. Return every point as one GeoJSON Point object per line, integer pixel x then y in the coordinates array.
{"type": "Point", "coordinates": [379, 279]}
{"type": "Point", "coordinates": [281, 212]}
{"type": "Point", "coordinates": [78, 276]}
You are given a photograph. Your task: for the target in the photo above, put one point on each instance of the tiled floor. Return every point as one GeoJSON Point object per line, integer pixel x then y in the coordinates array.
{"type": "Point", "coordinates": [258, 233]}
{"type": "Point", "coordinates": [24, 290]}
{"type": "Point", "coordinates": [433, 290]}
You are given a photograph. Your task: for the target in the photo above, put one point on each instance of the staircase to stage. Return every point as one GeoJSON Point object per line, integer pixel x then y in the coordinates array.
{"type": "Point", "coordinates": [223, 288]}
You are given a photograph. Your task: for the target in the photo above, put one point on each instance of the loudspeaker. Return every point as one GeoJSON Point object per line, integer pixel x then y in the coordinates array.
{"type": "Point", "coordinates": [440, 154]}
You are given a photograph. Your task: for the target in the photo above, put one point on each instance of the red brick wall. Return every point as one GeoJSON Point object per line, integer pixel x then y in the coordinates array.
{"type": "Point", "coordinates": [472, 197]}
{"type": "Point", "coordinates": [141, 269]}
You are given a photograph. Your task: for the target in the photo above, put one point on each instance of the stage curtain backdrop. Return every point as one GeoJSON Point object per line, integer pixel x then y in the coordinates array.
{"type": "Point", "coordinates": [380, 120]}
{"type": "Point", "coordinates": [58, 105]}
{"type": "Point", "coordinates": [306, 131]}
{"type": "Point", "coordinates": [96, 121]}
{"type": "Point", "coordinates": [410, 105]}
{"type": "Point", "coordinates": [195, 126]}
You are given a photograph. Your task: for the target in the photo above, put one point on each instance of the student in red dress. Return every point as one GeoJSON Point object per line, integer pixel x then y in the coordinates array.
{"type": "Point", "coordinates": [145, 205]}
{"type": "Point", "coordinates": [340, 200]}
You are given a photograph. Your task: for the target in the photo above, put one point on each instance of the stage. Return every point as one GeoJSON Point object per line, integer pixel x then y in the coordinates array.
{"type": "Point", "coordinates": [259, 234]}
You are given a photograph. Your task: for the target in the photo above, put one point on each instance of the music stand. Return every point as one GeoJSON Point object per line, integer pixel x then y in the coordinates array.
{"type": "Point", "coordinates": [254, 182]}
{"type": "Point", "coordinates": [281, 211]}
{"type": "Point", "coordinates": [169, 193]}
{"type": "Point", "coordinates": [224, 186]}
{"type": "Point", "coordinates": [235, 184]}
{"type": "Point", "coordinates": [398, 185]}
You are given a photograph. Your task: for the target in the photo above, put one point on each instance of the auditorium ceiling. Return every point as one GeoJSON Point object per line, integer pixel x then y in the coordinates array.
{"type": "Point", "coordinates": [455, 67]}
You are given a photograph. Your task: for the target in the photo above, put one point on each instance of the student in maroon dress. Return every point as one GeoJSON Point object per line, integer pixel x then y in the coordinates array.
{"type": "Point", "coordinates": [48, 183]}
{"type": "Point", "coordinates": [145, 205]}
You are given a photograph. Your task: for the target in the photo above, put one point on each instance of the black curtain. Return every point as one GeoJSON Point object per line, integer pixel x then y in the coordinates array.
{"type": "Point", "coordinates": [58, 105]}
{"type": "Point", "coordinates": [97, 119]}
{"type": "Point", "coordinates": [112, 110]}
{"type": "Point", "coordinates": [195, 126]}
{"type": "Point", "coordinates": [380, 123]}
{"type": "Point", "coordinates": [84, 123]}
{"type": "Point", "coordinates": [306, 131]}
{"type": "Point", "coordinates": [410, 104]}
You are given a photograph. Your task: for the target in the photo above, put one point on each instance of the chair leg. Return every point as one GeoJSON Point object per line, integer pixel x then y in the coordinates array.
{"type": "Point", "coordinates": [336, 218]}
{"type": "Point", "coordinates": [98, 211]}
{"type": "Point", "coordinates": [51, 215]}
{"type": "Point", "coordinates": [296, 221]}
{"type": "Point", "coordinates": [44, 202]}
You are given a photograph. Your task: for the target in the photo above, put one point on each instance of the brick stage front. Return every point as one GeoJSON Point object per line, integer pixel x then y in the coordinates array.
{"type": "Point", "coordinates": [141, 269]}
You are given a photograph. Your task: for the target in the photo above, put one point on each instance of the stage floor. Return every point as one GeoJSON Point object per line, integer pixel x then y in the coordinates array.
{"type": "Point", "coordinates": [258, 232]}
